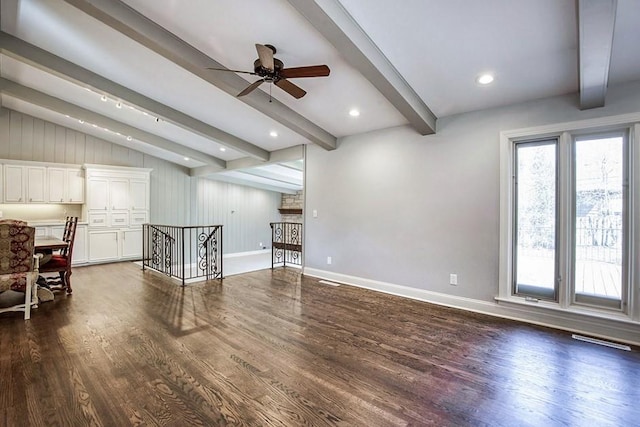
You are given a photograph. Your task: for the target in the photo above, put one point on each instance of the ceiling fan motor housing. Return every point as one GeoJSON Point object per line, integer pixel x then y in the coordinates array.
{"type": "Point", "coordinates": [265, 72]}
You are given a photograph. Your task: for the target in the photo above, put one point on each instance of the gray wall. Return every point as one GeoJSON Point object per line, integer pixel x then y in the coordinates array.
{"type": "Point", "coordinates": [245, 213]}
{"type": "Point", "coordinates": [397, 207]}
{"type": "Point", "coordinates": [176, 198]}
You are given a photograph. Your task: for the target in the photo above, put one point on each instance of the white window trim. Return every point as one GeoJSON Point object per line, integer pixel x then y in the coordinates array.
{"type": "Point", "coordinates": [564, 131]}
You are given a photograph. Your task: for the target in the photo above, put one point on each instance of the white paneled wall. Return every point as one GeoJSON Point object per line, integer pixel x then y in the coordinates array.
{"type": "Point", "coordinates": [176, 198]}
{"type": "Point", "coordinates": [245, 213]}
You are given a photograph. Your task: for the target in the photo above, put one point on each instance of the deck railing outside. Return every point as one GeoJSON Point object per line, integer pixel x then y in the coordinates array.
{"type": "Point", "coordinates": [183, 252]}
{"type": "Point", "coordinates": [286, 243]}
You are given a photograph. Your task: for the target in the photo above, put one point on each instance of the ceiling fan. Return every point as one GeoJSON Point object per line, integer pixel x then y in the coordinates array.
{"type": "Point", "coordinates": [271, 70]}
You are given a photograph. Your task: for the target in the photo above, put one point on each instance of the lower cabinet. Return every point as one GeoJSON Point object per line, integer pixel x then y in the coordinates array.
{"type": "Point", "coordinates": [103, 246]}
{"type": "Point", "coordinates": [115, 245]}
{"type": "Point", "coordinates": [132, 243]}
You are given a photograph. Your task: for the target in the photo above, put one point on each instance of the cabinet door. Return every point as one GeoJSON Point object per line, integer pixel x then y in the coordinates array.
{"type": "Point", "coordinates": [98, 194]}
{"type": "Point", "coordinates": [75, 186]}
{"type": "Point", "coordinates": [139, 195]}
{"type": "Point", "coordinates": [36, 178]}
{"type": "Point", "coordinates": [14, 184]}
{"type": "Point", "coordinates": [132, 243]}
{"type": "Point", "coordinates": [80, 245]}
{"type": "Point", "coordinates": [103, 246]}
{"type": "Point", "coordinates": [56, 184]}
{"type": "Point", "coordinates": [119, 194]}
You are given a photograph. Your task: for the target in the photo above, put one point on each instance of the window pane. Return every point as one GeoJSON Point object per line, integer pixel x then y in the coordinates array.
{"type": "Point", "coordinates": [599, 217]}
{"type": "Point", "coordinates": [536, 219]}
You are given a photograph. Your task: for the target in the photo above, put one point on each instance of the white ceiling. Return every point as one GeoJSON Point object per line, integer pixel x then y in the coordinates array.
{"type": "Point", "coordinates": [399, 63]}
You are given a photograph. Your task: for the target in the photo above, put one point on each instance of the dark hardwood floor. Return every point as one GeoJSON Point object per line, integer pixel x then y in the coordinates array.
{"type": "Point", "coordinates": [273, 348]}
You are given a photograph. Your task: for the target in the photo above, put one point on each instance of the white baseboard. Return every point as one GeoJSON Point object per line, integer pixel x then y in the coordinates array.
{"type": "Point", "coordinates": [256, 252]}
{"type": "Point", "coordinates": [623, 330]}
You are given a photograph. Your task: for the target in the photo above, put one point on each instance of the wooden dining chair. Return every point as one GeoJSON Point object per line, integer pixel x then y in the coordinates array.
{"type": "Point", "coordinates": [18, 265]}
{"type": "Point", "coordinates": [61, 262]}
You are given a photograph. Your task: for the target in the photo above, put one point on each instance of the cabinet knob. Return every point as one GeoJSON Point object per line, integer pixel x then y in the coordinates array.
{"type": "Point", "coordinates": [61, 199]}
{"type": "Point", "coordinates": [30, 199]}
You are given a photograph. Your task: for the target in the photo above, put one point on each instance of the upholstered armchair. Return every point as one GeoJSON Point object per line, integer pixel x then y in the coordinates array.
{"type": "Point", "coordinates": [18, 265]}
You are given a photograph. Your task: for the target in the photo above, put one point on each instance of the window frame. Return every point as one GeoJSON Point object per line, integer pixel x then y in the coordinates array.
{"type": "Point", "coordinates": [565, 132]}
{"type": "Point", "coordinates": [555, 141]}
{"type": "Point", "coordinates": [587, 300]}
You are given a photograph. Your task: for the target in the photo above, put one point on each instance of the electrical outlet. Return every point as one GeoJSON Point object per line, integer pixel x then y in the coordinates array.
{"type": "Point", "coordinates": [329, 260]}
{"type": "Point", "coordinates": [453, 279]}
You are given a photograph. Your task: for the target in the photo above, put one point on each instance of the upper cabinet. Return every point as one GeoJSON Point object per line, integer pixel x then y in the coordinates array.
{"type": "Point", "coordinates": [65, 185]}
{"type": "Point", "coordinates": [33, 182]}
{"type": "Point", "coordinates": [24, 184]}
{"type": "Point", "coordinates": [117, 196]}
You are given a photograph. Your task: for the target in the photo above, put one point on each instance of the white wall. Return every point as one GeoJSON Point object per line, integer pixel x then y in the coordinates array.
{"type": "Point", "coordinates": [397, 207]}
{"type": "Point", "coordinates": [176, 198]}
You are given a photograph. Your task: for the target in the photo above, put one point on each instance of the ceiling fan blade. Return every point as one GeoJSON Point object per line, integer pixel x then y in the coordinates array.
{"type": "Point", "coordinates": [290, 88]}
{"type": "Point", "coordinates": [234, 71]}
{"type": "Point", "coordinates": [310, 71]}
{"type": "Point", "coordinates": [251, 87]}
{"type": "Point", "coordinates": [266, 56]}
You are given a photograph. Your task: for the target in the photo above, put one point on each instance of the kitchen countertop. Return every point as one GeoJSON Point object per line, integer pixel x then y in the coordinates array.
{"type": "Point", "coordinates": [51, 222]}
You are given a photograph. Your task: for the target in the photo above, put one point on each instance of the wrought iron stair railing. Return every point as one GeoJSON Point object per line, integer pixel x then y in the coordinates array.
{"type": "Point", "coordinates": [286, 243]}
{"type": "Point", "coordinates": [183, 252]}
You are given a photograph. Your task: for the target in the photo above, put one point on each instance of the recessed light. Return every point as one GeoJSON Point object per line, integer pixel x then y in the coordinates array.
{"type": "Point", "coordinates": [129, 138]}
{"type": "Point", "coordinates": [223, 149]}
{"type": "Point", "coordinates": [118, 104]}
{"type": "Point", "coordinates": [273, 134]}
{"type": "Point", "coordinates": [484, 79]}
{"type": "Point", "coordinates": [81, 121]}
{"type": "Point", "coordinates": [354, 113]}
{"type": "Point", "coordinates": [186, 158]}
{"type": "Point", "coordinates": [104, 98]}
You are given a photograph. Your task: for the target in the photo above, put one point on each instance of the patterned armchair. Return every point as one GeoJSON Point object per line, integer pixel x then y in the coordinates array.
{"type": "Point", "coordinates": [18, 265]}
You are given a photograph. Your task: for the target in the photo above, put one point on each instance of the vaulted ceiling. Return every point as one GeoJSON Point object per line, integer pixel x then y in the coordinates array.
{"type": "Point", "coordinates": [139, 70]}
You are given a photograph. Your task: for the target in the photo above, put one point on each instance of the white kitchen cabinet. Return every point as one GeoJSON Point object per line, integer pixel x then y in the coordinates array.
{"type": "Point", "coordinates": [119, 194]}
{"type": "Point", "coordinates": [103, 246]}
{"type": "Point", "coordinates": [114, 245]}
{"type": "Point", "coordinates": [36, 182]}
{"type": "Point", "coordinates": [65, 185]}
{"type": "Point", "coordinates": [97, 194]}
{"type": "Point", "coordinates": [139, 195]}
{"type": "Point", "coordinates": [117, 206]}
{"type": "Point", "coordinates": [131, 243]}
{"type": "Point", "coordinates": [14, 184]}
{"type": "Point", "coordinates": [36, 178]}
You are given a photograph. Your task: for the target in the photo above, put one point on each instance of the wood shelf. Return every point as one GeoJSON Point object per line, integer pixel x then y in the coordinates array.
{"type": "Point", "coordinates": [290, 211]}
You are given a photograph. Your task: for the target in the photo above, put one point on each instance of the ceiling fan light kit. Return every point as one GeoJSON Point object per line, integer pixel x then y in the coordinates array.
{"type": "Point", "coordinates": [271, 70]}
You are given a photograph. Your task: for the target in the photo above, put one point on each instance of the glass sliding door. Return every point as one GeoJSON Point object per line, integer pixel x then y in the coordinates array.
{"type": "Point", "coordinates": [536, 218]}
{"type": "Point", "coordinates": [599, 232]}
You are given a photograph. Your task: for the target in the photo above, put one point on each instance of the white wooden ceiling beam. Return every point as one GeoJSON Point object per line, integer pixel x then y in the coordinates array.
{"type": "Point", "coordinates": [63, 107]}
{"type": "Point", "coordinates": [33, 55]}
{"type": "Point", "coordinates": [596, 20]}
{"type": "Point", "coordinates": [277, 156]}
{"type": "Point", "coordinates": [336, 25]}
{"type": "Point", "coordinates": [126, 20]}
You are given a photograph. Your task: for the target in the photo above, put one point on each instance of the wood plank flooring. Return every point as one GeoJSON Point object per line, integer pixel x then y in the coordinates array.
{"type": "Point", "coordinates": [273, 348]}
